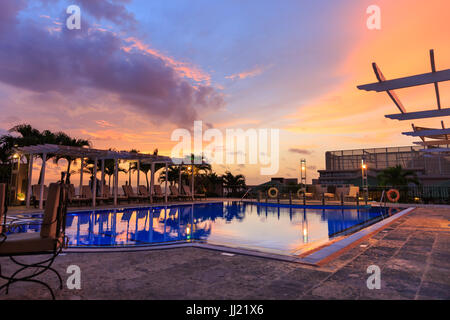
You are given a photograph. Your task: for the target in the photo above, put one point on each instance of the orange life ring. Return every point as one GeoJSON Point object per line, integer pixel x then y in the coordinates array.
{"type": "Point", "coordinates": [389, 195]}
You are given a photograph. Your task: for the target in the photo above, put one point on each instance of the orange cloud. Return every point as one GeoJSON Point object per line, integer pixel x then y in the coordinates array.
{"type": "Point", "coordinates": [408, 30]}
{"type": "Point", "coordinates": [246, 74]}
{"type": "Point", "coordinates": [182, 68]}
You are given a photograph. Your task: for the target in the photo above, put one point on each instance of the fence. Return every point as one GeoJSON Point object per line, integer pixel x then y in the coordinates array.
{"type": "Point", "coordinates": [408, 194]}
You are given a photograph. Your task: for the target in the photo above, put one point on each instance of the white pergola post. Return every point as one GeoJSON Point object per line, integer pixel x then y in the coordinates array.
{"type": "Point", "coordinates": [94, 183]}
{"type": "Point", "coordinates": [180, 167]}
{"type": "Point", "coordinates": [41, 193]}
{"type": "Point", "coordinates": [102, 185]}
{"type": "Point", "coordinates": [138, 175]}
{"type": "Point", "coordinates": [81, 177]}
{"type": "Point", "coordinates": [30, 177]}
{"type": "Point", "coordinates": [165, 185]}
{"type": "Point", "coordinates": [192, 186]}
{"type": "Point", "coordinates": [116, 182]}
{"type": "Point", "coordinates": [129, 173]}
{"type": "Point", "coordinates": [152, 182]}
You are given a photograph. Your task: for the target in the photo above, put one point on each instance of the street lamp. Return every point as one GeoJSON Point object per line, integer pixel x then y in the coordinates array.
{"type": "Point", "coordinates": [365, 184]}
{"type": "Point", "coordinates": [303, 172]}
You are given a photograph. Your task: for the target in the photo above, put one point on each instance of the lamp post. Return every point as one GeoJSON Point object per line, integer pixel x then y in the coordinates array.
{"type": "Point", "coordinates": [303, 172]}
{"type": "Point", "coordinates": [365, 184]}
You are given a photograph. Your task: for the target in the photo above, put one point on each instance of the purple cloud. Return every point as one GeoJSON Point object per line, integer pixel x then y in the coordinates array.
{"type": "Point", "coordinates": [71, 63]}
{"type": "Point", "coordinates": [300, 151]}
{"type": "Point", "coordinates": [8, 13]}
{"type": "Point", "coordinates": [112, 10]}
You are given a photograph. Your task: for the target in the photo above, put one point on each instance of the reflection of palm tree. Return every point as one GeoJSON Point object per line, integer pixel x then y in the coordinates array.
{"type": "Point", "coordinates": [234, 211]}
{"type": "Point", "coordinates": [396, 177]}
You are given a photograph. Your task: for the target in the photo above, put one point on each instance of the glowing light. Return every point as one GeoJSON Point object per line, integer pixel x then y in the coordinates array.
{"type": "Point", "coordinates": [188, 230]}
{"type": "Point", "coordinates": [21, 196]}
{"type": "Point", "coordinates": [303, 168]}
{"type": "Point", "coordinates": [16, 156]}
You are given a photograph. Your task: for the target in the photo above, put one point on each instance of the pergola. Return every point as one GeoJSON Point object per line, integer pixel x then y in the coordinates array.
{"type": "Point", "coordinates": [439, 137]}
{"type": "Point", "coordinates": [46, 150]}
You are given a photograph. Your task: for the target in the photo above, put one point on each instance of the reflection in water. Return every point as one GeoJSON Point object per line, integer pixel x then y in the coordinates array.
{"type": "Point", "coordinates": [270, 228]}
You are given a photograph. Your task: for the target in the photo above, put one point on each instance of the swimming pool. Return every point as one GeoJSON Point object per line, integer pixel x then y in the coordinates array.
{"type": "Point", "coordinates": [267, 228]}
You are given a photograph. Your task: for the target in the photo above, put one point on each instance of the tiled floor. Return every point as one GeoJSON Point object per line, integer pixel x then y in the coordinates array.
{"type": "Point", "coordinates": [413, 254]}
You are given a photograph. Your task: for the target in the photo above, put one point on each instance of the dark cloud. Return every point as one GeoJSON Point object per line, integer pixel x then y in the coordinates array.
{"type": "Point", "coordinates": [8, 13]}
{"type": "Point", "coordinates": [112, 10]}
{"type": "Point", "coordinates": [300, 151]}
{"type": "Point", "coordinates": [70, 63]}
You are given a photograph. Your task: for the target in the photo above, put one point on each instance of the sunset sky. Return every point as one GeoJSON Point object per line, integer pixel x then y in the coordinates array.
{"type": "Point", "coordinates": [138, 69]}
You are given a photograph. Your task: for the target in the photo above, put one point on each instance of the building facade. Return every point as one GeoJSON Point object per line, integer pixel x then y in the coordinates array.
{"type": "Point", "coordinates": [344, 166]}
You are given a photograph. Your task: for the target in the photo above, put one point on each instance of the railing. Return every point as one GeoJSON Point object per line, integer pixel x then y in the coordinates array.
{"type": "Point", "coordinates": [408, 194]}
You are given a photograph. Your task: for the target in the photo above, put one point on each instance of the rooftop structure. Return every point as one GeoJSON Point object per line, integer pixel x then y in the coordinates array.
{"type": "Point", "coordinates": [344, 166]}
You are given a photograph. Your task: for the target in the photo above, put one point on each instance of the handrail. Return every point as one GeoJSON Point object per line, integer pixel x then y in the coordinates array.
{"type": "Point", "coordinates": [246, 193]}
{"type": "Point", "coordinates": [382, 196]}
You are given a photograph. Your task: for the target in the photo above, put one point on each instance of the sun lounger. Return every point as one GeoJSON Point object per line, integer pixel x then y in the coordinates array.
{"type": "Point", "coordinates": [352, 193]}
{"type": "Point", "coordinates": [309, 192]}
{"type": "Point", "coordinates": [73, 198]}
{"type": "Point", "coordinates": [159, 194]}
{"type": "Point", "coordinates": [36, 194]}
{"type": "Point", "coordinates": [128, 190]}
{"type": "Point", "coordinates": [86, 194]}
{"type": "Point", "coordinates": [187, 191]}
{"type": "Point", "coordinates": [330, 192]}
{"type": "Point", "coordinates": [174, 191]}
{"type": "Point", "coordinates": [107, 195]}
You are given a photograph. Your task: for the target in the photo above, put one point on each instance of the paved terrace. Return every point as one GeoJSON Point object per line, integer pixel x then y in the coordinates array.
{"type": "Point", "coordinates": [413, 254]}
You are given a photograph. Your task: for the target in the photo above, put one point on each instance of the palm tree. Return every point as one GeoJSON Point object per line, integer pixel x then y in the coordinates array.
{"type": "Point", "coordinates": [65, 140]}
{"type": "Point", "coordinates": [232, 182]}
{"type": "Point", "coordinates": [147, 167]}
{"type": "Point", "coordinates": [396, 177]}
{"type": "Point", "coordinates": [213, 180]}
{"type": "Point", "coordinates": [31, 136]}
{"type": "Point", "coordinates": [173, 173]}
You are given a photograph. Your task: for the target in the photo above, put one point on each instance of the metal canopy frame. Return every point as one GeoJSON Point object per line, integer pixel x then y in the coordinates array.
{"type": "Point", "coordinates": [440, 136]}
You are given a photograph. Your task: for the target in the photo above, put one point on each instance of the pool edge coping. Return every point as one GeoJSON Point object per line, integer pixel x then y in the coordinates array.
{"type": "Point", "coordinates": [328, 253]}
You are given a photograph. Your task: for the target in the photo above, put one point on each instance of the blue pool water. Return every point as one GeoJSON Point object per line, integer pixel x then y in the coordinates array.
{"type": "Point", "coordinates": [284, 230]}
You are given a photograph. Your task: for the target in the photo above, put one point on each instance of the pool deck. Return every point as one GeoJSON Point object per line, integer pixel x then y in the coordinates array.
{"type": "Point", "coordinates": [413, 254]}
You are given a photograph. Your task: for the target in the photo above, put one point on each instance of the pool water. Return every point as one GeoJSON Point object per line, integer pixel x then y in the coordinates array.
{"type": "Point", "coordinates": [283, 230]}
